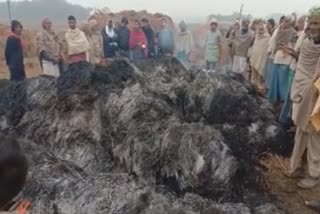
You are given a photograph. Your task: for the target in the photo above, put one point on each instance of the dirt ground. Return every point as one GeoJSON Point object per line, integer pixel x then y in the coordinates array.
{"type": "Point", "coordinates": [285, 190]}
{"type": "Point", "coordinates": [31, 64]}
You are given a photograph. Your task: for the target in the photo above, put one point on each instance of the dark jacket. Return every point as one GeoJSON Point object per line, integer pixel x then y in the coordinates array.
{"type": "Point", "coordinates": [14, 58]}
{"type": "Point", "coordinates": [123, 38]}
{"type": "Point", "coordinates": [150, 38]}
{"type": "Point", "coordinates": [110, 45]}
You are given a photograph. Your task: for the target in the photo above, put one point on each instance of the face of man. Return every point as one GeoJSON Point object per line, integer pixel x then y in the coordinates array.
{"type": "Point", "coordinates": [136, 25]}
{"type": "Point", "coordinates": [18, 29]}
{"type": "Point", "coordinates": [110, 24]}
{"type": "Point", "coordinates": [269, 26]}
{"type": "Point", "coordinates": [314, 27]}
{"type": "Point", "coordinates": [261, 29]}
{"type": "Point", "coordinates": [300, 24]}
{"type": "Point", "coordinates": [93, 24]}
{"type": "Point", "coordinates": [164, 23]}
{"type": "Point", "coordinates": [48, 25]}
{"type": "Point", "coordinates": [287, 23]}
{"type": "Point", "coordinates": [72, 24]}
{"type": "Point", "coordinates": [213, 26]}
{"type": "Point", "coordinates": [245, 26]}
{"type": "Point", "coordinates": [145, 24]}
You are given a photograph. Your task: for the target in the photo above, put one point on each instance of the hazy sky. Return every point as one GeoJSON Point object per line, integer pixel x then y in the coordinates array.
{"type": "Point", "coordinates": [179, 8]}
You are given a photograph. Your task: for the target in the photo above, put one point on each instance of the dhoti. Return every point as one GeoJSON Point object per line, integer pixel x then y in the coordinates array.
{"type": "Point", "coordinates": [239, 64]}
{"type": "Point", "coordinates": [306, 152]}
{"type": "Point", "coordinates": [51, 69]}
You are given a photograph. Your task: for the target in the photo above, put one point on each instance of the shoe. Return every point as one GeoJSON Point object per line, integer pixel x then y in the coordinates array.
{"type": "Point", "coordinates": [308, 183]}
{"type": "Point", "coordinates": [295, 174]}
{"type": "Point", "coordinates": [315, 205]}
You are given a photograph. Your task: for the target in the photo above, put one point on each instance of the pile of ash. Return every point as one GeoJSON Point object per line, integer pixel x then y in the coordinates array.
{"type": "Point", "coordinates": [152, 139]}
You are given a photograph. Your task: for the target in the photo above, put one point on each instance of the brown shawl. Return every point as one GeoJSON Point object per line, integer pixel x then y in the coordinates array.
{"type": "Point", "coordinates": [242, 43]}
{"type": "Point", "coordinates": [285, 36]}
{"type": "Point", "coordinates": [303, 92]}
{"type": "Point", "coordinates": [49, 42]}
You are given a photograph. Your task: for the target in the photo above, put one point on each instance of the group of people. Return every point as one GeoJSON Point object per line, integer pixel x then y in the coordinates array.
{"type": "Point", "coordinates": [89, 43]}
{"type": "Point", "coordinates": [283, 62]}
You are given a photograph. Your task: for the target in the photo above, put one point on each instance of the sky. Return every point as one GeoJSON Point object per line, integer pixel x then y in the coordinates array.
{"type": "Point", "coordinates": [180, 8]}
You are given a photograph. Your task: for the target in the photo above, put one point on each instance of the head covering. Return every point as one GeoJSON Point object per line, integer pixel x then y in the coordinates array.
{"type": "Point", "coordinates": [214, 21]}
{"type": "Point", "coordinates": [14, 24]}
{"type": "Point", "coordinates": [246, 21]}
{"type": "Point", "coordinates": [182, 24]}
{"type": "Point", "coordinates": [45, 21]}
{"type": "Point", "coordinates": [289, 18]}
{"type": "Point", "coordinates": [315, 11]}
{"type": "Point", "coordinates": [92, 23]}
{"type": "Point", "coordinates": [110, 32]}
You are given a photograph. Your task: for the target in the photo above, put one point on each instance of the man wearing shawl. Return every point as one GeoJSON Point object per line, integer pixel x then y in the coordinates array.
{"type": "Point", "coordinates": [304, 96]}
{"type": "Point", "coordinates": [94, 38]}
{"type": "Point", "coordinates": [77, 44]}
{"type": "Point", "coordinates": [110, 40]}
{"type": "Point", "coordinates": [213, 44]}
{"type": "Point", "coordinates": [49, 50]}
{"type": "Point", "coordinates": [285, 115]}
{"type": "Point", "coordinates": [138, 43]}
{"type": "Point", "coordinates": [184, 44]}
{"type": "Point", "coordinates": [285, 36]}
{"type": "Point", "coordinates": [242, 42]}
{"type": "Point", "coordinates": [14, 53]}
{"type": "Point", "coordinates": [259, 55]}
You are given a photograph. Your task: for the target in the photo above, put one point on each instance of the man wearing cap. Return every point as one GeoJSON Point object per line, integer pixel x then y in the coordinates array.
{"type": "Point", "coordinates": [242, 42]}
{"type": "Point", "coordinates": [213, 43]}
{"type": "Point", "coordinates": [303, 96]}
{"type": "Point", "coordinates": [14, 52]}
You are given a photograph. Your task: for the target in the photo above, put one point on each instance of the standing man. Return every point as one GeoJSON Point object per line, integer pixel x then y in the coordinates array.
{"type": "Point", "coordinates": [123, 37]}
{"type": "Point", "coordinates": [304, 95]}
{"type": "Point", "coordinates": [110, 40]}
{"type": "Point", "coordinates": [213, 44]}
{"type": "Point", "coordinates": [259, 56]}
{"type": "Point", "coordinates": [95, 41]}
{"type": "Point", "coordinates": [285, 115]}
{"type": "Point", "coordinates": [165, 39]}
{"type": "Point", "coordinates": [14, 53]}
{"type": "Point", "coordinates": [184, 44]}
{"type": "Point", "coordinates": [279, 84]}
{"type": "Point", "coordinates": [77, 44]}
{"type": "Point", "coordinates": [242, 42]}
{"type": "Point", "coordinates": [138, 43]}
{"type": "Point", "coordinates": [150, 37]}
{"type": "Point", "coordinates": [49, 50]}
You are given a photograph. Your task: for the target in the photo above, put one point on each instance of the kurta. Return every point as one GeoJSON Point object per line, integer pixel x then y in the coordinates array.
{"type": "Point", "coordinates": [213, 42]}
{"type": "Point", "coordinates": [286, 111]}
{"type": "Point", "coordinates": [184, 44]}
{"type": "Point", "coordinates": [304, 96]}
{"type": "Point", "coordinates": [279, 84]}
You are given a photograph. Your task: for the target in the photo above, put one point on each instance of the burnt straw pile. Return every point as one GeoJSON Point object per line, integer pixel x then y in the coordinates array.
{"type": "Point", "coordinates": [153, 139]}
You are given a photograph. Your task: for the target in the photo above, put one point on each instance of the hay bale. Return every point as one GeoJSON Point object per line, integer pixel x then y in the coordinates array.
{"type": "Point", "coordinates": [189, 131]}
